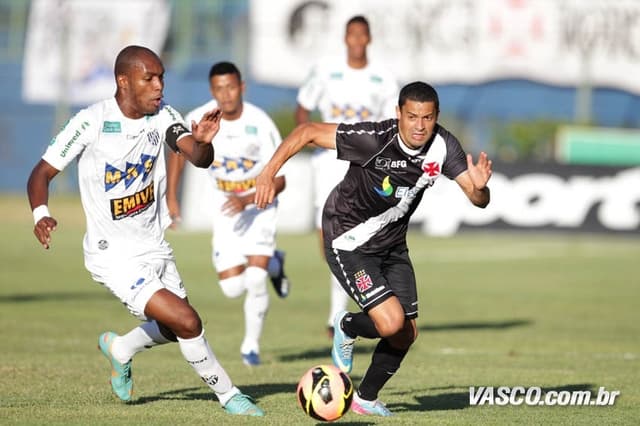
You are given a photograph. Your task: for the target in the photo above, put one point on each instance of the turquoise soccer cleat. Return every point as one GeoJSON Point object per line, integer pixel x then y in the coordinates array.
{"type": "Point", "coordinates": [342, 350]}
{"type": "Point", "coordinates": [243, 405]}
{"type": "Point", "coordinates": [121, 381]}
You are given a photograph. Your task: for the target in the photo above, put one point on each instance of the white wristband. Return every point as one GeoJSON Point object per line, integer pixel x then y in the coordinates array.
{"type": "Point", "coordinates": [40, 212]}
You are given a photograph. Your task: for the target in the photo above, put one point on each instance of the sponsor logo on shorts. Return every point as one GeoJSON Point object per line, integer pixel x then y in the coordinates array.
{"type": "Point", "coordinates": [137, 283]}
{"type": "Point", "coordinates": [133, 205]}
{"type": "Point", "coordinates": [103, 244]}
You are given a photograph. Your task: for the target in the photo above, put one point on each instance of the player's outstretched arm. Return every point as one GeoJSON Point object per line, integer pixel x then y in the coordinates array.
{"type": "Point", "coordinates": [319, 134]}
{"type": "Point", "coordinates": [38, 192]}
{"type": "Point", "coordinates": [175, 168]}
{"type": "Point", "coordinates": [197, 148]}
{"type": "Point", "coordinates": [474, 181]}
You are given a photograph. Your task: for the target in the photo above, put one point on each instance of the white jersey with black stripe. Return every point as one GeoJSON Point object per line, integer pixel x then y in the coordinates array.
{"type": "Point", "coordinates": [122, 179]}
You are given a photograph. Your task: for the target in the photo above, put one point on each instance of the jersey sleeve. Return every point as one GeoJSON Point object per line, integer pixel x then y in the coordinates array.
{"type": "Point", "coordinates": [455, 161]}
{"type": "Point", "coordinates": [81, 130]}
{"type": "Point", "coordinates": [173, 127]}
{"type": "Point", "coordinates": [358, 142]}
{"type": "Point", "coordinates": [311, 90]}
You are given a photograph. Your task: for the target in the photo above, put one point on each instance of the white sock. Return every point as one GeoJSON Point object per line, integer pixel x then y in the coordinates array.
{"type": "Point", "coordinates": [199, 355]}
{"type": "Point", "coordinates": [256, 304]}
{"type": "Point", "coordinates": [145, 336]}
{"type": "Point", "coordinates": [339, 300]}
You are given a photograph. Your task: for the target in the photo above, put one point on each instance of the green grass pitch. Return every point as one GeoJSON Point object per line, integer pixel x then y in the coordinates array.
{"type": "Point", "coordinates": [555, 311]}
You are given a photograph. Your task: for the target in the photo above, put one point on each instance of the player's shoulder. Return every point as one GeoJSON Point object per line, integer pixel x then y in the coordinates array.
{"type": "Point", "coordinates": [373, 128]}
{"type": "Point", "coordinates": [251, 111]}
{"type": "Point", "coordinates": [380, 73]}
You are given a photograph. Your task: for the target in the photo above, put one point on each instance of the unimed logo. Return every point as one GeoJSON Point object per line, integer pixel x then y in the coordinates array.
{"type": "Point", "coordinates": [518, 395]}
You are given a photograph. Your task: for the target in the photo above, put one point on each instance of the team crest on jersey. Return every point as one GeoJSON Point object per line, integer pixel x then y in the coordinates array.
{"type": "Point", "coordinates": [113, 175]}
{"type": "Point", "coordinates": [387, 188]}
{"type": "Point", "coordinates": [432, 168]}
{"type": "Point", "coordinates": [153, 137]}
{"type": "Point", "coordinates": [133, 205]}
{"type": "Point", "coordinates": [233, 164]}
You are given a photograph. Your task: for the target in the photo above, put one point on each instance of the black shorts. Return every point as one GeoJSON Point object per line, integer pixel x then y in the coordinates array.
{"type": "Point", "coordinates": [370, 279]}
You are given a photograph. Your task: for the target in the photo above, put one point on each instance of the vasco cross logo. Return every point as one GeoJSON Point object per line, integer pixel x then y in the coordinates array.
{"type": "Point", "coordinates": [387, 189]}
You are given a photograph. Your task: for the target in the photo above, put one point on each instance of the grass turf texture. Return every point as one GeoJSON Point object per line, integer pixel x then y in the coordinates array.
{"type": "Point", "coordinates": [559, 312]}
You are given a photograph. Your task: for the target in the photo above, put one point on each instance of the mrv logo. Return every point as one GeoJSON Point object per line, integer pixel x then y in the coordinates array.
{"type": "Point", "coordinates": [113, 175]}
{"type": "Point", "coordinates": [133, 205]}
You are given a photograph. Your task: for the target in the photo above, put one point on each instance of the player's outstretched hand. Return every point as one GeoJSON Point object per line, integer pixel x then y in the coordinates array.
{"type": "Point", "coordinates": [208, 127]}
{"type": "Point", "coordinates": [265, 190]}
{"type": "Point", "coordinates": [43, 229]}
{"type": "Point", "coordinates": [479, 172]}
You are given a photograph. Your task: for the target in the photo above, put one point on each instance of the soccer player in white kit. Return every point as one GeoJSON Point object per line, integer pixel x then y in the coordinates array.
{"type": "Point", "coordinates": [243, 236]}
{"type": "Point", "coordinates": [119, 145]}
{"type": "Point", "coordinates": [348, 91]}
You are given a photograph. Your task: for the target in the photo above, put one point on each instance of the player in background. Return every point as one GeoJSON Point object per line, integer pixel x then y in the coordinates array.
{"type": "Point", "coordinates": [366, 217]}
{"type": "Point", "coordinates": [244, 238]}
{"type": "Point", "coordinates": [119, 145]}
{"type": "Point", "coordinates": [349, 92]}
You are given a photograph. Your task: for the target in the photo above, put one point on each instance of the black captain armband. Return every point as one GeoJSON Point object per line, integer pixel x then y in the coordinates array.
{"type": "Point", "coordinates": [175, 132]}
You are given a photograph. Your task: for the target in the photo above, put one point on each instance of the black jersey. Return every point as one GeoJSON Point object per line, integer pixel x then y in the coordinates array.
{"type": "Point", "coordinates": [370, 208]}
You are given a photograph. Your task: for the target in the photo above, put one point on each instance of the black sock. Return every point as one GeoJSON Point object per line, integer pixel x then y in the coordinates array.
{"type": "Point", "coordinates": [384, 363]}
{"type": "Point", "coordinates": [359, 324]}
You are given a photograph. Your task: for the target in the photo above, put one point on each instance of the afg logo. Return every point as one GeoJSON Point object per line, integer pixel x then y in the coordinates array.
{"type": "Point", "coordinates": [387, 189]}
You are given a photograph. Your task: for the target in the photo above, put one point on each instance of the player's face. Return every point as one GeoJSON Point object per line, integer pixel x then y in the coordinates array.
{"type": "Point", "coordinates": [357, 38]}
{"type": "Point", "coordinates": [227, 90]}
{"type": "Point", "coordinates": [143, 87]}
{"type": "Point", "coordinates": [416, 121]}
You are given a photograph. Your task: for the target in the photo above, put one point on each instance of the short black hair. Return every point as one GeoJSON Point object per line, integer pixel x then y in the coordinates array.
{"type": "Point", "coordinates": [420, 92]}
{"type": "Point", "coordinates": [129, 57]}
{"type": "Point", "coordinates": [358, 19]}
{"type": "Point", "coordinates": [224, 68]}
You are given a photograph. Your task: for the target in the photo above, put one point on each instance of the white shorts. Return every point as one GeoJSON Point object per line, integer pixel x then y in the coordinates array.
{"type": "Point", "coordinates": [249, 233]}
{"type": "Point", "coordinates": [328, 171]}
{"type": "Point", "coordinates": [135, 282]}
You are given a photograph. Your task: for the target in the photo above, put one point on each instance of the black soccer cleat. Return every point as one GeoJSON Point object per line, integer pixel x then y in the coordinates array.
{"type": "Point", "coordinates": [279, 279]}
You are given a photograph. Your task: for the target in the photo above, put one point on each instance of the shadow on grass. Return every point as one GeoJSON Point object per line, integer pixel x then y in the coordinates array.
{"type": "Point", "coordinates": [460, 400]}
{"type": "Point", "coordinates": [55, 297]}
{"type": "Point", "coordinates": [480, 325]}
{"type": "Point", "coordinates": [324, 353]}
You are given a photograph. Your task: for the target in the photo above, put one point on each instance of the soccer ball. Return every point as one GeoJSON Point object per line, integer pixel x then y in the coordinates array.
{"type": "Point", "coordinates": [325, 393]}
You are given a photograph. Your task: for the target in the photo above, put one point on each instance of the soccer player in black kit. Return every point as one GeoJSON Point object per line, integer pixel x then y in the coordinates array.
{"type": "Point", "coordinates": [366, 217]}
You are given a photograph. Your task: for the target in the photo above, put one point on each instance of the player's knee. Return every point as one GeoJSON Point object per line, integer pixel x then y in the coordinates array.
{"type": "Point", "coordinates": [190, 326]}
{"type": "Point", "coordinates": [255, 281]}
{"type": "Point", "coordinates": [405, 337]}
{"type": "Point", "coordinates": [232, 287]}
{"type": "Point", "coordinates": [390, 325]}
